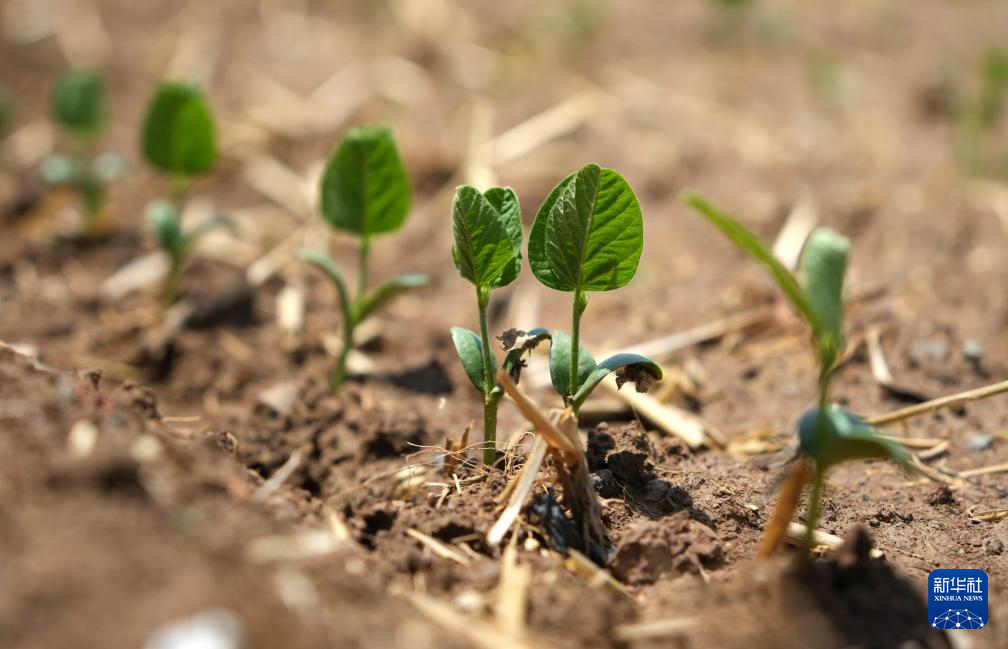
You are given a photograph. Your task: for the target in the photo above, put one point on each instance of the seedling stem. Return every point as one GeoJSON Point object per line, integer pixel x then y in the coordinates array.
{"type": "Point", "coordinates": [580, 303]}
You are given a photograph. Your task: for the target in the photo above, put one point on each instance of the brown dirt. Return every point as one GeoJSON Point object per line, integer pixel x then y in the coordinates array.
{"type": "Point", "coordinates": [158, 522]}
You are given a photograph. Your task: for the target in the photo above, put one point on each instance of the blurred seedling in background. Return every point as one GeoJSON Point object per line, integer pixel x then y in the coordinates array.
{"type": "Point", "coordinates": [78, 106]}
{"type": "Point", "coordinates": [486, 249]}
{"type": "Point", "coordinates": [827, 434]}
{"type": "Point", "coordinates": [5, 110]}
{"type": "Point", "coordinates": [365, 192]}
{"type": "Point", "coordinates": [178, 140]}
{"type": "Point", "coordinates": [980, 116]}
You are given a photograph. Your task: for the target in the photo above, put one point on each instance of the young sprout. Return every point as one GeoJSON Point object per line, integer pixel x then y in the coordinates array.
{"type": "Point", "coordinates": [78, 106]}
{"type": "Point", "coordinates": [178, 140]}
{"type": "Point", "coordinates": [827, 434]}
{"type": "Point", "coordinates": [588, 236]}
{"type": "Point", "coordinates": [365, 192]}
{"type": "Point", "coordinates": [979, 117]}
{"type": "Point", "coordinates": [486, 249]}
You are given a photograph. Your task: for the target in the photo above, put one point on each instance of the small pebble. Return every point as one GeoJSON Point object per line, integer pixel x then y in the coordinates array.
{"type": "Point", "coordinates": [994, 546]}
{"type": "Point", "coordinates": [929, 350]}
{"type": "Point", "coordinates": [972, 351]}
{"type": "Point", "coordinates": [213, 629]}
{"type": "Point", "coordinates": [874, 522]}
{"type": "Point", "coordinates": [979, 443]}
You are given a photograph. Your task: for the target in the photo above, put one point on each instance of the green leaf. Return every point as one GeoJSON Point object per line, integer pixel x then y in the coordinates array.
{"type": "Point", "coordinates": [538, 260]}
{"type": "Point", "coordinates": [505, 201]}
{"type": "Point", "coordinates": [470, 351]}
{"type": "Point", "coordinates": [386, 291]}
{"type": "Point", "coordinates": [635, 368]}
{"type": "Point", "coordinates": [178, 131]}
{"type": "Point", "coordinates": [751, 244]}
{"type": "Point", "coordinates": [79, 103]}
{"type": "Point", "coordinates": [841, 436]}
{"type": "Point", "coordinates": [322, 261]}
{"type": "Point", "coordinates": [593, 235]}
{"type": "Point", "coordinates": [167, 227]}
{"type": "Point", "coordinates": [823, 265]}
{"type": "Point", "coordinates": [560, 364]}
{"type": "Point", "coordinates": [58, 169]}
{"type": "Point", "coordinates": [481, 248]}
{"type": "Point", "coordinates": [365, 189]}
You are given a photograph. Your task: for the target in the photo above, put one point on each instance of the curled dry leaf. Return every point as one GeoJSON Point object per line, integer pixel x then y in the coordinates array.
{"type": "Point", "coordinates": [517, 343]}
{"type": "Point", "coordinates": [641, 377]}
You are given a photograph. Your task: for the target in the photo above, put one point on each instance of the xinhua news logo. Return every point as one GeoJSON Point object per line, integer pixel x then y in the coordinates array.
{"type": "Point", "coordinates": [957, 599]}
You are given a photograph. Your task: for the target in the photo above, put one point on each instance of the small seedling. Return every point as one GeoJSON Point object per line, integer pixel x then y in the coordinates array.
{"type": "Point", "coordinates": [827, 434]}
{"type": "Point", "coordinates": [178, 140]}
{"type": "Point", "coordinates": [588, 236]}
{"type": "Point", "coordinates": [365, 192]}
{"type": "Point", "coordinates": [979, 116]}
{"type": "Point", "coordinates": [486, 249]}
{"type": "Point", "coordinates": [78, 106]}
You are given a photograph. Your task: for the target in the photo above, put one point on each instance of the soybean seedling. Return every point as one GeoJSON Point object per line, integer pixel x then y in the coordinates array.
{"type": "Point", "coordinates": [588, 236]}
{"type": "Point", "coordinates": [486, 249]}
{"type": "Point", "coordinates": [78, 106]}
{"type": "Point", "coordinates": [827, 434]}
{"type": "Point", "coordinates": [364, 192]}
{"type": "Point", "coordinates": [178, 140]}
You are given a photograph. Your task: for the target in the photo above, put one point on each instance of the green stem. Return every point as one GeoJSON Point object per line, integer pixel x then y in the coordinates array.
{"type": "Point", "coordinates": [365, 248]}
{"type": "Point", "coordinates": [580, 302]}
{"type": "Point", "coordinates": [350, 323]}
{"type": "Point", "coordinates": [490, 430]}
{"type": "Point", "coordinates": [489, 381]}
{"type": "Point", "coordinates": [812, 511]}
{"type": "Point", "coordinates": [173, 282]}
{"type": "Point", "coordinates": [339, 371]}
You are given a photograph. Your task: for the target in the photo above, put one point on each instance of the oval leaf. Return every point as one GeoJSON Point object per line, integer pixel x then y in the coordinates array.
{"type": "Point", "coordinates": [470, 351]}
{"type": "Point", "coordinates": [178, 131]}
{"type": "Point", "coordinates": [505, 201]}
{"type": "Point", "coordinates": [841, 436]}
{"type": "Point", "coordinates": [538, 260]}
{"type": "Point", "coordinates": [636, 368]}
{"type": "Point", "coordinates": [823, 265]}
{"type": "Point", "coordinates": [560, 364]}
{"type": "Point", "coordinates": [594, 233]}
{"type": "Point", "coordinates": [79, 102]}
{"type": "Point", "coordinates": [365, 189]}
{"type": "Point", "coordinates": [482, 247]}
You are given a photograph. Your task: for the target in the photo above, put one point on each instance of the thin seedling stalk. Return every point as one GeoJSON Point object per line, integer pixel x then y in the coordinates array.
{"type": "Point", "coordinates": [580, 302]}
{"type": "Point", "coordinates": [489, 398]}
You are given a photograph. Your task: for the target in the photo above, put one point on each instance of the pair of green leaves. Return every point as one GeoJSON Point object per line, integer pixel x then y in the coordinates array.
{"type": "Point", "coordinates": [487, 236]}
{"type": "Point", "coordinates": [178, 135]}
{"type": "Point", "coordinates": [587, 236]}
{"type": "Point", "coordinates": [818, 298]}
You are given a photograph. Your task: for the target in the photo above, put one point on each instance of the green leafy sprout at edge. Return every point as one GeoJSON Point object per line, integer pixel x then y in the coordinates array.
{"type": "Point", "coordinates": [827, 434]}
{"type": "Point", "coordinates": [365, 192]}
{"type": "Point", "coordinates": [78, 105]}
{"type": "Point", "coordinates": [178, 140]}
